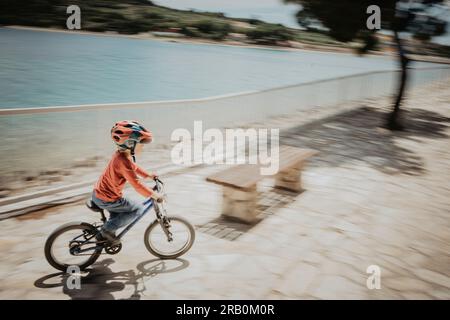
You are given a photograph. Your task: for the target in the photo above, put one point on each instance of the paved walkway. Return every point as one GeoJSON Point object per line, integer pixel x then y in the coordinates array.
{"type": "Point", "coordinates": [372, 198]}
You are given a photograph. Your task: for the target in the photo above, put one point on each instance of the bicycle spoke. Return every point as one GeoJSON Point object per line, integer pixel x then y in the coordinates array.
{"type": "Point", "coordinates": [171, 240]}
{"type": "Point", "coordinates": [68, 248]}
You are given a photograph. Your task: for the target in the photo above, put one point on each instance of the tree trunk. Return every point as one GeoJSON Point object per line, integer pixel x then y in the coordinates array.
{"type": "Point", "coordinates": [393, 122]}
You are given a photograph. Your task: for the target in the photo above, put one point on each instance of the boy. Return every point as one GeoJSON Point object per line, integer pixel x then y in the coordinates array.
{"type": "Point", "coordinates": [129, 136]}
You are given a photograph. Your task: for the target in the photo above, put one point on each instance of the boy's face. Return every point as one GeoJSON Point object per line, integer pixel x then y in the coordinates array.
{"type": "Point", "coordinates": [138, 148]}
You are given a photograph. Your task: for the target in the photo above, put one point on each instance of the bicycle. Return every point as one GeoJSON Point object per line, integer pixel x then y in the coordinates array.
{"type": "Point", "coordinates": [84, 243]}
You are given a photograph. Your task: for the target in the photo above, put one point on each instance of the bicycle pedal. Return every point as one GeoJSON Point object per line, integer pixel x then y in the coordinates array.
{"type": "Point", "coordinates": [114, 249]}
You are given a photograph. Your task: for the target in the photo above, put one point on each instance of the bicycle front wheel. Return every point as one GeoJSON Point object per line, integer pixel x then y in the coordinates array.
{"type": "Point", "coordinates": [169, 242]}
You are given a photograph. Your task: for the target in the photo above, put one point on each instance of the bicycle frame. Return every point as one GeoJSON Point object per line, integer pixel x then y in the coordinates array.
{"type": "Point", "coordinates": [149, 203]}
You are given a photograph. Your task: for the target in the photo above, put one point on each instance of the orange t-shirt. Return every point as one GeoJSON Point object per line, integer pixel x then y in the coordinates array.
{"type": "Point", "coordinates": [120, 169]}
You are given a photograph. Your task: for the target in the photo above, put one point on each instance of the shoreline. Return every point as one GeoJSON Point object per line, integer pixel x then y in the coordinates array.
{"type": "Point", "coordinates": [199, 41]}
{"type": "Point", "coordinates": [305, 47]}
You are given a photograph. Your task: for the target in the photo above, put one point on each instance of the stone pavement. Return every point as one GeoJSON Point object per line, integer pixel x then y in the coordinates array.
{"type": "Point", "coordinates": [372, 198]}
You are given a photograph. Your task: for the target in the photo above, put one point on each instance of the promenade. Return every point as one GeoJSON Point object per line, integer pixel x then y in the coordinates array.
{"type": "Point", "coordinates": [372, 197]}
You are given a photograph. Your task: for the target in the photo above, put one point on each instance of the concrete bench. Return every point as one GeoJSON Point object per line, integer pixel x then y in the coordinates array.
{"type": "Point", "coordinates": [240, 195]}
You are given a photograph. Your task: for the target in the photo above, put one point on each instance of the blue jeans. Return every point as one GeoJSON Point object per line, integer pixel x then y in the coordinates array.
{"type": "Point", "coordinates": [121, 212]}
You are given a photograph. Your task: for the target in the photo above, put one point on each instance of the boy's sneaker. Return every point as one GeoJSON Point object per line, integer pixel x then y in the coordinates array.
{"type": "Point", "coordinates": [110, 237]}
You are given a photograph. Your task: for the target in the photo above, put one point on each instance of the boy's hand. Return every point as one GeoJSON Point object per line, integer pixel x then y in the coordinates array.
{"type": "Point", "coordinates": [158, 197]}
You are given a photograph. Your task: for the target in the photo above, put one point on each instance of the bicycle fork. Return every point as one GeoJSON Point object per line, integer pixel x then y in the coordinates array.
{"type": "Point", "coordinates": [164, 222]}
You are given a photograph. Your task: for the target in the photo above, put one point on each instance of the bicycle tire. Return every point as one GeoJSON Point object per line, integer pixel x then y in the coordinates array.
{"type": "Point", "coordinates": [60, 230]}
{"type": "Point", "coordinates": [169, 256]}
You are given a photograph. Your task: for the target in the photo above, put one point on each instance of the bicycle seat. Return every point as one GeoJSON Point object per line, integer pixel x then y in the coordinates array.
{"type": "Point", "coordinates": [91, 205]}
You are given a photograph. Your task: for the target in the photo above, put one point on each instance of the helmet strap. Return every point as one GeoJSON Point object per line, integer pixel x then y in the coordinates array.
{"type": "Point", "coordinates": [132, 151]}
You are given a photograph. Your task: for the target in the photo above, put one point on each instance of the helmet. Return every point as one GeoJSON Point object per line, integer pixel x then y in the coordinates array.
{"type": "Point", "coordinates": [127, 133]}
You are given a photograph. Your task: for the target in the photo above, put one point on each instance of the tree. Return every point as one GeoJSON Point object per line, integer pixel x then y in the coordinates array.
{"type": "Point", "coordinates": [346, 21]}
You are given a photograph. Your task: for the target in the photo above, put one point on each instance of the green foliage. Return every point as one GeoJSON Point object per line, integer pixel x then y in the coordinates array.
{"type": "Point", "coordinates": [369, 42]}
{"type": "Point", "coordinates": [346, 20]}
{"type": "Point", "coordinates": [152, 15]}
{"type": "Point", "coordinates": [123, 16]}
{"type": "Point", "coordinates": [208, 29]}
{"type": "Point", "coordinates": [269, 34]}
{"type": "Point", "coordinates": [316, 37]}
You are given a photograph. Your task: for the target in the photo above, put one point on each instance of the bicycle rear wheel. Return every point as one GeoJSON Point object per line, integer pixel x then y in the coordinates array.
{"type": "Point", "coordinates": [63, 245]}
{"type": "Point", "coordinates": [182, 235]}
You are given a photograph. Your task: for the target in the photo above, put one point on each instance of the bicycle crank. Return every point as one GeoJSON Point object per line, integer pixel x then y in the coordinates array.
{"type": "Point", "coordinates": [114, 249]}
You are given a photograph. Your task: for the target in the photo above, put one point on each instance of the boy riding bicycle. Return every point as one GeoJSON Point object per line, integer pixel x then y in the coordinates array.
{"type": "Point", "coordinates": [129, 136]}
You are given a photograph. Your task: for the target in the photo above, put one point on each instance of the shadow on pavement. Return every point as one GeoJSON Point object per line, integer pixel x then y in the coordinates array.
{"type": "Point", "coordinates": [270, 201]}
{"type": "Point", "coordinates": [358, 135]}
{"type": "Point", "coordinates": [355, 135]}
{"type": "Point", "coordinates": [100, 281]}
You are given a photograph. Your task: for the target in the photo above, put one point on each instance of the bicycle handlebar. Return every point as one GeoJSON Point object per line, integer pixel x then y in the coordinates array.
{"type": "Point", "coordinates": [158, 187]}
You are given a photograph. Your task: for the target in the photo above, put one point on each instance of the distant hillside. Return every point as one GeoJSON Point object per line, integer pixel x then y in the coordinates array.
{"type": "Point", "coordinates": [137, 16]}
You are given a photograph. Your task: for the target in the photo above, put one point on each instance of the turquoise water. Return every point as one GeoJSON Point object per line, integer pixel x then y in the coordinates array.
{"type": "Point", "coordinates": [54, 69]}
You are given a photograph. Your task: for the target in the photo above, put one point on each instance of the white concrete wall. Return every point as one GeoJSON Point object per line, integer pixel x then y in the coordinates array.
{"type": "Point", "coordinates": [47, 138]}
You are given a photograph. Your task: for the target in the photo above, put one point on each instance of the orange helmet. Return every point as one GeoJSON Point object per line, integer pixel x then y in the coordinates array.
{"type": "Point", "coordinates": [127, 133]}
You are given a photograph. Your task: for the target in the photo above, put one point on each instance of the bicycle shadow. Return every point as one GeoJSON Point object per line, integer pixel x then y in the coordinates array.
{"type": "Point", "coordinates": [99, 282]}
